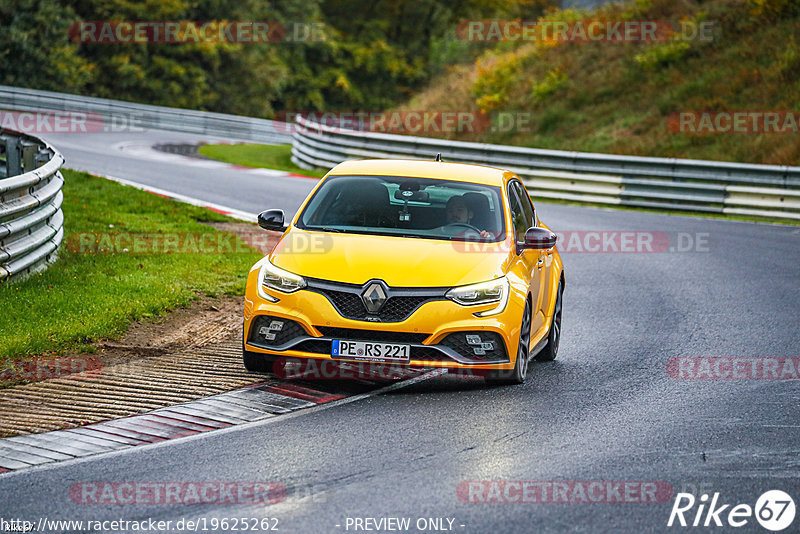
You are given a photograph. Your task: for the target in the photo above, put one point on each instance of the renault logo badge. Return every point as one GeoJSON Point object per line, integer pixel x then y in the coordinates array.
{"type": "Point", "coordinates": [373, 296]}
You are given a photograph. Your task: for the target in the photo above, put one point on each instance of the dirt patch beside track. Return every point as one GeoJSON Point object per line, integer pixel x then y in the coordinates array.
{"type": "Point", "coordinates": [206, 320]}
{"type": "Point", "coordinates": [187, 354]}
{"type": "Point", "coordinates": [190, 353]}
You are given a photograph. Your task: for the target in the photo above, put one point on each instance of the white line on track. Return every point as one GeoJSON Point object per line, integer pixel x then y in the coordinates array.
{"type": "Point", "coordinates": [226, 210]}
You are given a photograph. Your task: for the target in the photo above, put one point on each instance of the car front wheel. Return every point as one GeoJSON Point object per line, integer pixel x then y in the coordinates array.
{"type": "Point", "coordinates": [550, 351]}
{"type": "Point", "coordinates": [520, 371]}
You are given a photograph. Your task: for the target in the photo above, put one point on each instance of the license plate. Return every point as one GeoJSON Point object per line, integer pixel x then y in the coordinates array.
{"type": "Point", "coordinates": [369, 351]}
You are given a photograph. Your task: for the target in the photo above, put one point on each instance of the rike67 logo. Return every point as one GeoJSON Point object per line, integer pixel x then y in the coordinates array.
{"type": "Point", "coordinates": [774, 510]}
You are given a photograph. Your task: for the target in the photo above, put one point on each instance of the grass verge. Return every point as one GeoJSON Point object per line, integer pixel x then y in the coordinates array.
{"type": "Point", "coordinates": [278, 157]}
{"type": "Point", "coordinates": [85, 296]}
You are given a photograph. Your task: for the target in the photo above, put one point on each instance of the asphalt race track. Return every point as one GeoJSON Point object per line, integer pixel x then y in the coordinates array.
{"type": "Point", "coordinates": [607, 410]}
{"type": "Point", "coordinates": [130, 156]}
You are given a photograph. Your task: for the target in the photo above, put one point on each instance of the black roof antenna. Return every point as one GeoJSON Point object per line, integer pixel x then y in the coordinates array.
{"type": "Point", "coordinates": [439, 156]}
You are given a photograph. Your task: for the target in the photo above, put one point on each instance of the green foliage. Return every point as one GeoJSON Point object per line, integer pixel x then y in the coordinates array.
{"type": "Point", "coordinates": [34, 48]}
{"type": "Point", "coordinates": [553, 81]}
{"type": "Point", "coordinates": [374, 52]}
{"type": "Point", "coordinates": [657, 55]}
{"type": "Point", "coordinates": [662, 54]}
{"type": "Point", "coordinates": [496, 74]}
{"type": "Point", "coordinates": [774, 8]}
{"type": "Point", "coordinates": [619, 97]}
{"type": "Point", "coordinates": [788, 63]}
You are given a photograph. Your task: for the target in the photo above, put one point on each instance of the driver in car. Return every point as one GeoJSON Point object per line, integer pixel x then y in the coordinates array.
{"type": "Point", "coordinates": [458, 212]}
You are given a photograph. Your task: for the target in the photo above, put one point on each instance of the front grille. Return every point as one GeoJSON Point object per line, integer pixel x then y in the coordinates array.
{"type": "Point", "coordinates": [398, 308]}
{"type": "Point", "coordinates": [394, 310]}
{"type": "Point", "coordinates": [353, 334]}
{"type": "Point", "coordinates": [348, 304]}
{"type": "Point", "coordinates": [399, 305]}
{"type": "Point", "coordinates": [479, 346]}
{"type": "Point", "coordinates": [264, 327]}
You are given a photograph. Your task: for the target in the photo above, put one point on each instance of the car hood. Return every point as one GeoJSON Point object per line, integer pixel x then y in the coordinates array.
{"type": "Point", "coordinates": [398, 261]}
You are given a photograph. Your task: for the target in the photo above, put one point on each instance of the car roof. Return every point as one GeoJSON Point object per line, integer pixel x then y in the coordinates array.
{"type": "Point", "coordinates": [462, 172]}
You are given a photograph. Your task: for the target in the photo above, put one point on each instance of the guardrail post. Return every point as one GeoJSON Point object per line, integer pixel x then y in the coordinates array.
{"type": "Point", "coordinates": [40, 158]}
{"type": "Point", "coordinates": [28, 156]}
{"type": "Point", "coordinates": [13, 157]}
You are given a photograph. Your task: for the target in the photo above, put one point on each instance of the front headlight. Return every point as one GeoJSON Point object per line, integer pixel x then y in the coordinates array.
{"type": "Point", "coordinates": [272, 277]}
{"type": "Point", "coordinates": [482, 293]}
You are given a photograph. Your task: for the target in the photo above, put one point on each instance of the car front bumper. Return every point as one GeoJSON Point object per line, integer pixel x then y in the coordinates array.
{"type": "Point", "coordinates": [436, 331]}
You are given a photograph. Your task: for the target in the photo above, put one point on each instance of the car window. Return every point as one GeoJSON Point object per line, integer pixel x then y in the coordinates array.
{"type": "Point", "coordinates": [527, 205]}
{"type": "Point", "coordinates": [518, 216]}
{"type": "Point", "coordinates": [427, 208]}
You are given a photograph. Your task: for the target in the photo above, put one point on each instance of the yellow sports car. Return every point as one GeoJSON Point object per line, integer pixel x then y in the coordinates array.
{"type": "Point", "coordinates": [413, 263]}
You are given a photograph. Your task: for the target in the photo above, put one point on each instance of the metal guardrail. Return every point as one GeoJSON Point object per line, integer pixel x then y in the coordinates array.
{"type": "Point", "coordinates": [658, 183]}
{"type": "Point", "coordinates": [119, 114]}
{"type": "Point", "coordinates": [31, 220]}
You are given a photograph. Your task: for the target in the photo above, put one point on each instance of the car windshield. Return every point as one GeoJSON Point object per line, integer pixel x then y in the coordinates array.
{"type": "Point", "coordinates": [425, 208]}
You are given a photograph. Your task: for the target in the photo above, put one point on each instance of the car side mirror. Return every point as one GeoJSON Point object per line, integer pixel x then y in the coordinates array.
{"type": "Point", "coordinates": [272, 220]}
{"type": "Point", "coordinates": [539, 238]}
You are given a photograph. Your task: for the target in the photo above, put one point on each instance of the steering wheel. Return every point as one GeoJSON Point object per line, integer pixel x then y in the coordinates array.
{"type": "Point", "coordinates": [452, 228]}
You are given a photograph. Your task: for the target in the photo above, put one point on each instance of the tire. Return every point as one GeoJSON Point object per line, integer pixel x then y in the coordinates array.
{"type": "Point", "coordinates": [255, 362]}
{"type": "Point", "coordinates": [550, 351]}
{"type": "Point", "coordinates": [520, 371]}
